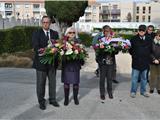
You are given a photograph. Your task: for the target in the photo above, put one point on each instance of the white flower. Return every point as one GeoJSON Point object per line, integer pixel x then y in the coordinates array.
{"type": "Point", "coordinates": [108, 47]}
{"type": "Point", "coordinates": [81, 46]}
{"type": "Point", "coordinates": [68, 52]}
{"type": "Point", "coordinates": [49, 45]}
{"type": "Point", "coordinates": [62, 52]}
{"type": "Point", "coordinates": [76, 51]}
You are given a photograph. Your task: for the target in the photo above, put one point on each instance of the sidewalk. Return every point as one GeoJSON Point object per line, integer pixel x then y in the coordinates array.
{"type": "Point", "coordinates": [18, 97]}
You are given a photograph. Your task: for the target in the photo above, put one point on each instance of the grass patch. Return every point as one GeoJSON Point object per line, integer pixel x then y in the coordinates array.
{"type": "Point", "coordinates": [17, 59]}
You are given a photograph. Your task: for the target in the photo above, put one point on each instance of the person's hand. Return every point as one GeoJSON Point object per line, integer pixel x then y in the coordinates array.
{"type": "Point", "coordinates": [156, 61]}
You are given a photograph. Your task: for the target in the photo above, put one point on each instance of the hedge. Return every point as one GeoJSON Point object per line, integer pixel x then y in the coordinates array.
{"type": "Point", "coordinates": [16, 39]}
{"type": "Point", "coordinates": [85, 38]}
{"type": "Point", "coordinates": [19, 39]}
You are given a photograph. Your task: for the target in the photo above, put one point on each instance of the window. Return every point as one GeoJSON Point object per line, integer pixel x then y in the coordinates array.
{"type": "Point", "coordinates": [143, 18]}
{"type": "Point", "coordinates": [94, 7]}
{"type": "Point", "coordinates": [17, 6]}
{"type": "Point", "coordinates": [149, 9]}
{"type": "Point", "coordinates": [149, 18]}
{"type": "Point", "coordinates": [105, 7]}
{"type": "Point", "coordinates": [144, 10]}
{"type": "Point", "coordinates": [26, 5]}
{"type": "Point", "coordinates": [115, 6]}
{"type": "Point", "coordinates": [8, 13]}
{"type": "Point", "coordinates": [36, 6]}
{"type": "Point", "coordinates": [8, 5]}
{"type": "Point", "coordinates": [114, 17]}
{"type": "Point", "coordinates": [137, 10]}
{"type": "Point", "coordinates": [87, 14]}
{"type": "Point", "coordinates": [137, 18]}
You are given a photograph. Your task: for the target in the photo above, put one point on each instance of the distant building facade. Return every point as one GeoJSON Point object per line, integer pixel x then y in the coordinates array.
{"type": "Point", "coordinates": [122, 11]}
{"type": "Point", "coordinates": [22, 9]}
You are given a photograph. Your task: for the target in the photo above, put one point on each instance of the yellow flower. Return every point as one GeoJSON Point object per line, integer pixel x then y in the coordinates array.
{"type": "Point", "coordinates": [69, 46]}
{"type": "Point", "coordinates": [57, 44]}
{"type": "Point", "coordinates": [53, 50]}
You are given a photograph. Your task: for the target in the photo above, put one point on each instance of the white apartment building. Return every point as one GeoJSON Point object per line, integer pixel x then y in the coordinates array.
{"type": "Point", "coordinates": [118, 14]}
{"type": "Point", "coordinates": [122, 11]}
{"type": "Point", "coordinates": [22, 9]}
{"type": "Point", "coordinates": [148, 12]}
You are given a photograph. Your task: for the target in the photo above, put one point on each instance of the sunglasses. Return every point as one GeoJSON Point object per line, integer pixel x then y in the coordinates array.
{"type": "Point", "coordinates": [71, 32]}
{"type": "Point", "coordinates": [142, 30]}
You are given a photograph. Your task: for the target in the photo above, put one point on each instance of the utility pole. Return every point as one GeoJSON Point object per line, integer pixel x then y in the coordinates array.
{"type": "Point", "coordinates": [110, 10]}
{"type": "Point", "coordinates": [3, 22]}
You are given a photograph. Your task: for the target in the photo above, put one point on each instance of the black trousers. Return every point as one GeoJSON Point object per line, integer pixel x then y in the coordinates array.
{"type": "Point", "coordinates": [41, 83]}
{"type": "Point", "coordinates": [106, 71]}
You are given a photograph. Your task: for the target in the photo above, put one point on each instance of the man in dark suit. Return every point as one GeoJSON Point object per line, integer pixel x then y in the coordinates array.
{"type": "Point", "coordinates": [40, 40]}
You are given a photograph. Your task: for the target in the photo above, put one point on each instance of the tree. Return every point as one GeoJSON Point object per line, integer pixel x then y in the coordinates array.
{"type": "Point", "coordinates": [65, 13]}
{"type": "Point", "coordinates": [129, 17]}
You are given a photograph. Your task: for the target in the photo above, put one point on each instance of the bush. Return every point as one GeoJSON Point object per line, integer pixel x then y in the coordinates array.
{"type": "Point", "coordinates": [127, 36]}
{"type": "Point", "coordinates": [16, 39]}
{"type": "Point", "coordinates": [86, 39]}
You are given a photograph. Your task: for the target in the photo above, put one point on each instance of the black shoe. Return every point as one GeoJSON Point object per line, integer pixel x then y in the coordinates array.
{"type": "Point", "coordinates": [42, 106]}
{"type": "Point", "coordinates": [76, 101]}
{"type": "Point", "coordinates": [158, 91]}
{"type": "Point", "coordinates": [55, 104]}
{"type": "Point", "coordinates": [97, 73]}
{"type": "Point", "coordinates": [102, 97]}
{"type": "Point", "coordinates": [115, 81]}
{"type": "Point", "coordinates": [66, 101]}
{"type": "Point", "coordinates": [151, 91]}
{"type": "Point", "coordinates": [110, 95]}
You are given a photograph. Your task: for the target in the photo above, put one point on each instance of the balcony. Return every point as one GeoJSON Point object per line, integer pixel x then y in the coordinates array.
{"type": "Point", "coordinates": [112, 12]}
{"type": "Point", "coordinates": [105, 12]}
{"type": "Point", "coordinates": [8, 9]}
{"type": "Point", "coordinates": [88, 20]}
{"type": "Point", "coordinates": [88, 10]}
{"type": "Point", "coordinates": [37, 10]}
{"type": "Point", "coordinates": [116, 12]}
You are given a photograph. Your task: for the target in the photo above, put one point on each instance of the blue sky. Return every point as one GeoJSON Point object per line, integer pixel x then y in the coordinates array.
{"type": "Point", "coordinates": [122, 0]}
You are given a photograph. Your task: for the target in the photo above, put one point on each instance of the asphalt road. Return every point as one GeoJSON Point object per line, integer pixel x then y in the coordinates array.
{"type": "Point", "coordinates": [18, 97]}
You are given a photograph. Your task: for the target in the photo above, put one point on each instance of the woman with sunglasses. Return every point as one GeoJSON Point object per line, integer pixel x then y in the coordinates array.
{"type": "Point", "coordinates": [155, 65]}
{"type": "Point", "coordinates": [71, 70]}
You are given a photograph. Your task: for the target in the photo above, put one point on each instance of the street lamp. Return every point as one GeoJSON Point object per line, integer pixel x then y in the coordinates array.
{"type": "Point", "coordinates": [110, 11]}
{"type": "Point", "coordinates": [39, 19]}
{"type": "Point", "coordinates": [3, 21]}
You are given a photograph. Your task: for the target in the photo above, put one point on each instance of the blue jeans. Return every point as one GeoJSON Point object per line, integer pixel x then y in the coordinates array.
{"type": "Point", "coordinates": [134, 80]}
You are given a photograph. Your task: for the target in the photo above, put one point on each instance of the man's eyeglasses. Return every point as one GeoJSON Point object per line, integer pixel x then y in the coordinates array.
{"type": "Point", "coordinates": [45, 22]}
{"type": "Point", "coordinates": [71, 32]}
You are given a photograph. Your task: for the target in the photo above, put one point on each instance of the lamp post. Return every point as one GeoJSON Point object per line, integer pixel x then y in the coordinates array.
{"type": "Point", "coordinates": [3, 21]}
{"type": "Point", "coordinates": [39, 20]}
{"type": "Point", "coordinates": [110, 11]}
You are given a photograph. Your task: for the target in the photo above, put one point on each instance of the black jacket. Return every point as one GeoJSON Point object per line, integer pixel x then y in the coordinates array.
{"type": "Point", "coordinates": [155, 52]}
{"type": "Point", "coordinates": [39, 40]}
{"type": "Point", "coordinates": [140, 51]}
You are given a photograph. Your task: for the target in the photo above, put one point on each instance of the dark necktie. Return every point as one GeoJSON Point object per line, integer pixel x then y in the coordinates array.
{"type": "Point", "coordinates": [47, 35]}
